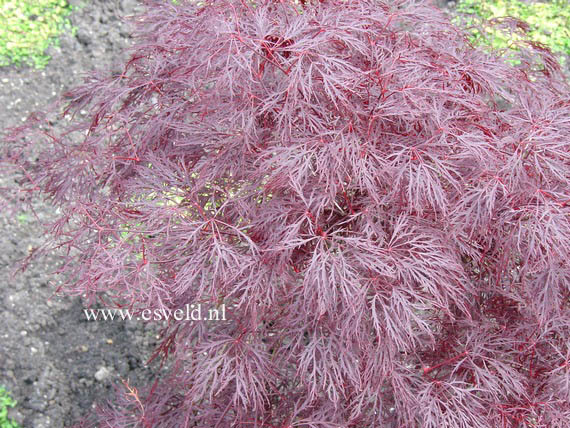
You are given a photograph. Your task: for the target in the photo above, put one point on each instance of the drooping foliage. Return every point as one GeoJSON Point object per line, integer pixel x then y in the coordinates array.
{"type": "Point", "coordinates": [382, 208]}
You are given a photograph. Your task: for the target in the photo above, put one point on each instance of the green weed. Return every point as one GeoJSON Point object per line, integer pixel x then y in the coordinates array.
{"type": "Point", "coordinates": [28, 28]}
{"type": "Point", "coordinates": [6, 402]}
{"type": "Point", "coordinates": [549, 22]}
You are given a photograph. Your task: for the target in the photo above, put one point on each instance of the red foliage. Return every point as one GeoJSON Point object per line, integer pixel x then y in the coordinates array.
{"type": "Point", "coordinates": [382, 208]}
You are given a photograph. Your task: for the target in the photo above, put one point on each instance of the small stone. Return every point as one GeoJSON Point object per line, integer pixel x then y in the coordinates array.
{"type": "Point", "coordinates": [102, 374]}
{"type": "Point", "coordinates": [51, 393]}
{"type": "Point", "coordinates": [42, 422]}
{"type": "Point", "coordinates": [84, 348]}
{"type": "Point", "coordinates": [84, 38]}
{"type": "Point", "coordinates": [109, 341]}
{"type": "Point", "coordinates": [38, 404]}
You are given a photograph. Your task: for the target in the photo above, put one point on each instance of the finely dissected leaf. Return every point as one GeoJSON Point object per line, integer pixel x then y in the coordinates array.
{"type": "Point", "coordinates": [382, 209]}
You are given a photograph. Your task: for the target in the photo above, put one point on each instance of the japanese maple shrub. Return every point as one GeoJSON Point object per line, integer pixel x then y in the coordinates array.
{"type": "Point", "coordinates": [382, 208]}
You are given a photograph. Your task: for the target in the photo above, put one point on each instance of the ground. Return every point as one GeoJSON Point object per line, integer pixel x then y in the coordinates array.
{"type": "Point", "coordinates": [54, 362]}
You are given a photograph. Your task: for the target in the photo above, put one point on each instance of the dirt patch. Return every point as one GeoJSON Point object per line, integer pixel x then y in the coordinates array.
{"type": "Point", "coordinates": [56, 363]}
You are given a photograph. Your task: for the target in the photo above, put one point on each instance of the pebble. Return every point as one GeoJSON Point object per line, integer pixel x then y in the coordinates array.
{"type": "Point", "coordinates": [37, 403]}
{"type": "Point", "coordinates": [102, 374]}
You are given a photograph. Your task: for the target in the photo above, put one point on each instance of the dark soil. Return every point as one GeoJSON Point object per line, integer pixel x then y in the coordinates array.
{"type": "Point", "coordinates": [49, 353]}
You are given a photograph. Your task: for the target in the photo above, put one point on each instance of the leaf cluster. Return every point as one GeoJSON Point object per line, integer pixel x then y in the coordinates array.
{"type": "Point", "coordinates": [382, 208]}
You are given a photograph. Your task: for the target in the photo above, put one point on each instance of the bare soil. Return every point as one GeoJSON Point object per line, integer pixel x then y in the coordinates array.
{"type": "Point", "coordinates": [55, 363]}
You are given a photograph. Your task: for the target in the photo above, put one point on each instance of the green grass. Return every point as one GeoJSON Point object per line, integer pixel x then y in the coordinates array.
{"type": "Point", "coordinates": [23, 218]}
{"type": "Point", "coordinates": [28, 28]}
{"type": "Point", "coordinates": [6, 402]}
{"type": "Point", "coordinates": [549, 22]}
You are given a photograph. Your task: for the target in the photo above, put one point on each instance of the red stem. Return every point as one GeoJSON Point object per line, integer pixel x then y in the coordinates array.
{"type": "Point", "coordinates": [428, 370]}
